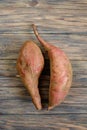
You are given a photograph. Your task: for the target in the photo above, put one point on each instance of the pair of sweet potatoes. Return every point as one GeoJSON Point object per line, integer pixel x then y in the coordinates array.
{"type": "Point", "coordinates": [30, 64]}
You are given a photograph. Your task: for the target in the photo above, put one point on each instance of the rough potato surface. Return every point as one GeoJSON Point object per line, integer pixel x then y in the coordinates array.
{"type": "Point", "coordinates": [29, 65]}
{"type": "Point", "coordinates": [60, 72]}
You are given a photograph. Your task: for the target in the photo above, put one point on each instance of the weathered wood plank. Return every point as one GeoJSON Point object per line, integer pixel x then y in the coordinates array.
{"type": "Point", "coordinates": [25, 28]}
{"type": "Point", "coordinates": [78, 81]}
{"type": "Point", "coordinates": [75, 95]}
{"type": "Point", "coordinates": [41, 3]}
{"type": "Point", "coordinates": [41, 122]}
{"type": "Point", "coordinates": [26, 107]}
{"type": "Point", "coordinates": [8, 68]}
{"type": "Point", "coordinates": [74, 46]}
{"type": "Point", "coordinates": [60, 26]}
{"type": "Point", "coordinates": [68, 16]}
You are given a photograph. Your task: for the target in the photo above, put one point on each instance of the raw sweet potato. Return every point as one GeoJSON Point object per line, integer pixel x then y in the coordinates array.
{"type": "Point", "coordinates": [29, 65]}
{"type": "Point", "coordinates": [60, 72]}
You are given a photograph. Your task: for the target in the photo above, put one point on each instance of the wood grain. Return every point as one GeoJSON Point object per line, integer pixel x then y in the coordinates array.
{"type": "Point", "coordinates": [25, 106]}
{"type": "Point", "coordinates": [74, 45]}
{"type": "Point", "coordinates": [65, 15]}
{"type": "Point", "coordinates": [8, 70]}
{"type": "Point", "coordinates": [76, 95]}
{"type": "Point", "coordinates": [34, 122]}
{"type": "Point", "coordinates": [63, 24]}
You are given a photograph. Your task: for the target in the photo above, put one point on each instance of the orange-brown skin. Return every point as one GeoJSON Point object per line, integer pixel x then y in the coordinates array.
{"type": "Point", "coordinates": [60, 72]}
{"type": "Point", "coordinates": [29, 65]}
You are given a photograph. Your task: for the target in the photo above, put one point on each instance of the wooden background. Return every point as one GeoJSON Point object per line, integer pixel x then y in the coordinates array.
{"type": "Point", "coordinates": [62, 23]}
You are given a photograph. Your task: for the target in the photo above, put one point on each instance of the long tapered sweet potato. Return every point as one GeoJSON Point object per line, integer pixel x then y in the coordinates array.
{"type": "Point", "coordinates": [29, 65]}
{"type": "Point", "coordinates": [60, 72]}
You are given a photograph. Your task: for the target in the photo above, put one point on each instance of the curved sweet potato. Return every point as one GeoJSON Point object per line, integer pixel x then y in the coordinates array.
{"type": "Point", "coordinates": [60, 72]}
{"type": "Point", "coordinates": [29, 65]}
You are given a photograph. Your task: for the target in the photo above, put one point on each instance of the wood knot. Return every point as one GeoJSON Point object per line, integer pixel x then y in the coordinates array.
{"type": "Point", "coordinates": [33, 3]}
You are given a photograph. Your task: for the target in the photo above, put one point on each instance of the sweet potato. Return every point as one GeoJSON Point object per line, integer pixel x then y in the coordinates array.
{"type": "Point", "coordinates": [29, 65]}
{"type": "Point", "coordinates": [60, 72]}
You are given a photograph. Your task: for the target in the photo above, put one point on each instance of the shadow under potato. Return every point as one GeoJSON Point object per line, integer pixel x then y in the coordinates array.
{"type": "Point", "coordinates": [44, 82]}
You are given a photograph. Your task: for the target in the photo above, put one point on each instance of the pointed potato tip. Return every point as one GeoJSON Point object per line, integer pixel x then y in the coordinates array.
{"type": "Point", "coordinates": [39, 108]}
{"type": "Point", "coordinates": [50, 107]}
